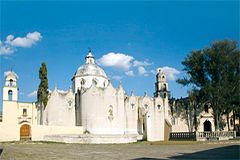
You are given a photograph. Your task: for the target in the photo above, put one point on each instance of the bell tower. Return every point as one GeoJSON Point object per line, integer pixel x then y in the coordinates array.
{"type": "Point", "coordinates": [161, 86]}
{"type": "Point", "coordinates": [10, 90]}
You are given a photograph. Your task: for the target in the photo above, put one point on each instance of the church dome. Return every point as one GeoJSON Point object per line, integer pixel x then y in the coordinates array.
{"type": "Point", "coordinates": [90, 69]}
{"type": "Point", "coordinates": [89, 73]}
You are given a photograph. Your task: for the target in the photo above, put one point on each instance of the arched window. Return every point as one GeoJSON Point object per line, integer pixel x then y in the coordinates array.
{"type": "Point", "coordinates": [206, 108]}
{"type": "Point", "coordinates": [11, 83]}
{"type": "Point", "coordinates": [10, 95]}
{"type": "Point", "coordinates": [82, 81]}
{"type": "Point", "coordinates": [164, 87]}
{"type": "Point", "coordinates": [158, 107]}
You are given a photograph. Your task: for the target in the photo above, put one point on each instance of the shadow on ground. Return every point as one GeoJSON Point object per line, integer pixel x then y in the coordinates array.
{"type": "Point", "coordinates": [228, 152]}
{"type": "Point", "coordinates": [146, 158]}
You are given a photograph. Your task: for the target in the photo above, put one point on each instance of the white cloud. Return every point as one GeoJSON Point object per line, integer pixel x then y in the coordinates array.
{"type": "Point", "coordinates": [118, 60]}
{"type": "Point", "coordinates": [130, 73]}
{"type": "Point", "coordinates": [170, 72]}
{"type": "Point", "coordinates": [137, 63]}
{"type": "Point", "coordinates": [142, 71]}
{"type": "Point", "coordinates": [6, 49]}
{"type": "Point", "coordinates": [9, 46]}
{"type": "Point", "coordinates": [118, 78]}
{"type": "Point", "coordinates": [33, 94]}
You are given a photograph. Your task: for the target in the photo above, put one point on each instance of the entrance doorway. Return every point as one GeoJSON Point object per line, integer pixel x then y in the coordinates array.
{"type": "Point", "coordinates": [207, 126]}
{"type": "Point", "coordinates": [25, 131]}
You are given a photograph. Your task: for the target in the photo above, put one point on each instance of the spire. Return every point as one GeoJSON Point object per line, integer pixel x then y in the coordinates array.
{"type": "Point", "coordinates": [89, 58]}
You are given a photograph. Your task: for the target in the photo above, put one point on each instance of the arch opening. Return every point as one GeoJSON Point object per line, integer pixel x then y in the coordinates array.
{"type": "Point", "coordinates": [10, 95]}
{"type": "Point", "coordinates": [207, 126]}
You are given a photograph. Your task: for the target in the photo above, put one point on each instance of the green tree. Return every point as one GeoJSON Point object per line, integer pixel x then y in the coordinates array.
{"type": "Point", "coordinates": [214, 72]}
{"type": "Point", "coordinates": [42, 93]}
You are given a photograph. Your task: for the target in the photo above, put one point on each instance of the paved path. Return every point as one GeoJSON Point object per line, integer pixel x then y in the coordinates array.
{"type": "Point", "coordinates": [137, 151]}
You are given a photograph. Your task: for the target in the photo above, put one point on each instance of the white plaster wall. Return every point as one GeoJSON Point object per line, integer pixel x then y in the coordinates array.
{"type": "Point", "coordinates": [158, 121]}
{"type": "Point", "coordinates": [131, 114]}
{"type": "Point", "coordinates": [39, 131]}
{"type": "Point", "coordinates": [95, 106]}
{"type": "Point", "coordinates": [10, 113]}
{"type": "Point", "coordinates": [58, 112]}
{"type": "Point", "coordinates": [9, 132]}
{"type": "Point", "coordinates": [180, 125]}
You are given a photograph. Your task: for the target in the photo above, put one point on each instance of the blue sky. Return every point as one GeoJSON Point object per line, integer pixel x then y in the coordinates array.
{"type": "Point", "coordinates": [144, 35]}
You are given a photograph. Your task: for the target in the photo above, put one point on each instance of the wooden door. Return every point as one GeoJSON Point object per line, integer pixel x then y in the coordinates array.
{"type": "Point", "coordinates": [25, 131]}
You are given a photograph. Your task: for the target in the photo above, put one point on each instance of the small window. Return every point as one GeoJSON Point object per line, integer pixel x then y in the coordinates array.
{"type": "Point", "coordinates": [132, 106]}
{"type": "Point", "coordinates": [105, 83]}
{"type": "Point", "coordinates": [164, 95]}
{"type": "Point", "coordinates": [10, 95]}
{"type": "Point", "coordinates": [70, 103]}
{"type": "Point", "coordinates": [82, 81]}
{"type": "Point", "coordinates": [158, 107]}
{"type": "Point", "coordinates": [146, 106]}
{"type": "Point", "coordinates": [173, 121]}
{"type": "Point", "coordinates": [24, 112]}
{"type": "Point", "coordinates": [11, 82]}
{"type": "Point", "coordinates": [110, 113]}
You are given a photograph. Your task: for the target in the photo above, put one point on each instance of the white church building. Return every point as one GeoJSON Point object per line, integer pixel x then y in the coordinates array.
{"type": "Point", "coordinates": [92, 111]}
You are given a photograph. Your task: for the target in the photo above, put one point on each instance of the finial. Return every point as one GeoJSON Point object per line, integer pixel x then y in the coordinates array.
{"type": "Point", "coordinates": [89, 50]}
{"type": "Point", "coordinates": [55, 86]}
{"type": "Point", "coordinates": [145, 93]}
{"type": "Point", "coordinates": [132, 93]}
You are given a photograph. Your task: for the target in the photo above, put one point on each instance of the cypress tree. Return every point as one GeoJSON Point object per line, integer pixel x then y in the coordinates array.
{"type": "Point", "coordinates": [42, 93]}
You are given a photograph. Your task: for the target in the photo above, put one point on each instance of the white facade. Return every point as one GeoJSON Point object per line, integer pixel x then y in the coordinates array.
{"type": "Point", "coordinates": [93, 111]}
{"type": "Point", "coordinates": [103, 110]}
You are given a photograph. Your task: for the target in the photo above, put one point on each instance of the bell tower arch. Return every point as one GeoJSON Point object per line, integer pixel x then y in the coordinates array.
{"type": "Point", "coordinates": [10, 89]}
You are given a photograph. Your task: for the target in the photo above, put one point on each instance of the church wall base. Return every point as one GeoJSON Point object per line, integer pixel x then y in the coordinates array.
{"type": "Point", "coordinates": [92, 139]}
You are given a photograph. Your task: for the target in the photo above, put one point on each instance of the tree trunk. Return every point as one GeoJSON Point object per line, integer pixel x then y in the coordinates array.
{"type": "Point", "coordinates": [217, 121]}
{"type": "Point", "coordinates": [41, 113]}
{"type": "Point", "coordinates": [228, 121]}
{"type": "Point", "coordinates": [234, 125]}
{"type": "Point", "coordinates": [195, 118]}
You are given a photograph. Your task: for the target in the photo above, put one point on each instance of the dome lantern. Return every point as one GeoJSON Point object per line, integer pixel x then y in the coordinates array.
{"type": "Point", "coordinates": [89, 58]}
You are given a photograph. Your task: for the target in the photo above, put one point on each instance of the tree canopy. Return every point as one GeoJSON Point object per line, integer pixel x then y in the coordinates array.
{"type": "Point", "coordinates": [42, 93]}
{"type": "Point", "coordinates": [214, 72]}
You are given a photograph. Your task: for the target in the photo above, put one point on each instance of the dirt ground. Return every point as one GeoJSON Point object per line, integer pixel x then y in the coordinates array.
{"type": "Point", "coordinates": [135, 151]}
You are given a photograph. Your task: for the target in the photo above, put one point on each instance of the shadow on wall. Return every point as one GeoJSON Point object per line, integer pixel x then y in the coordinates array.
{"type": "Point", "coordinates": [228, 152]}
